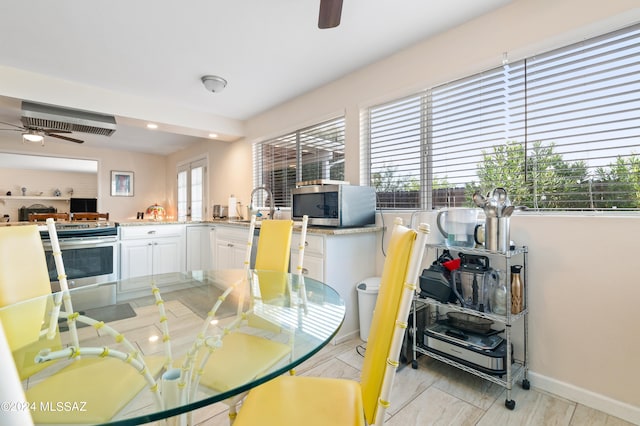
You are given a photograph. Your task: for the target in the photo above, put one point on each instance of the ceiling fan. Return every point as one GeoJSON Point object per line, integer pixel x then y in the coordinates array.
{"type": "Point", "coordinates": [330, 12]}
{"type": "Point", "coordinates": [36, 134]}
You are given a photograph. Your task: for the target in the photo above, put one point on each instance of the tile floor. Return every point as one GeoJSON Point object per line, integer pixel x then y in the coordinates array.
{"type": "Point", "coordinates": [438, 394]}
{"type": "Point", "coordinates": [433, 394]}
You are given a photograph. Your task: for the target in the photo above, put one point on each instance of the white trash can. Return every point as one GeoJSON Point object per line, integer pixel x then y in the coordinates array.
{"type": "Point", "coordinates": [367, 296]}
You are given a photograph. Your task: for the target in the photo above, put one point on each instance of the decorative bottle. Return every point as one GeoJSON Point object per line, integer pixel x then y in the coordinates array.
{"type": "Point", "coordinates": [499, 294]}
{"type": "Point", "coordinates": [516, 290]}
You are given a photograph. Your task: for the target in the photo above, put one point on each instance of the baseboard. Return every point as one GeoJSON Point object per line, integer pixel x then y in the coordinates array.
{"type": "Point", "coordinates": [585, 397]}
{"type": "Point", "coordinates": [347, 336]}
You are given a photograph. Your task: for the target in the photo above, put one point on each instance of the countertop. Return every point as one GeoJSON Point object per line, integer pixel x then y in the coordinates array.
{"type": "Point", "coordinates": [318, 230]}
{"type": "Point", "coordinates": [321, 230]}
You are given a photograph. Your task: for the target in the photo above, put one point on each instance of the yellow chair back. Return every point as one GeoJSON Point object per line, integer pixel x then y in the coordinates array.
{"type": "Point", "coordinates": [274, 245]}
{"type": "Point", "coordinates": [23, 276]}
{"type": "Point", "coordinates": [383, 323]}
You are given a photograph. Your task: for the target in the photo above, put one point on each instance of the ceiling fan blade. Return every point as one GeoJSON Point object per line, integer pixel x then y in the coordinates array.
{"type": "Point", "coordinates": [66, 138]}
{"type": "Point", "coordinates": [19, 128]}
{"type": "Point", "coordinates": [47, 131]}
{"type": "Point", "coordinates": [330, 13]}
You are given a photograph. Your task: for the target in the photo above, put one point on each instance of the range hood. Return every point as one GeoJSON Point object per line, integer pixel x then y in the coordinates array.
{"type": "Point", "coordinates": [43, 116]}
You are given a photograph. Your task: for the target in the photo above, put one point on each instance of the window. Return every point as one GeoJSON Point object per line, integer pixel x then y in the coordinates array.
{"type": "Point", "coordinates": [191, 190]}
{"type": "Point", "coordinates": [396, 152]}
{"type": "Point", "coordinates": [315, 152]}
{"type": "Point", "coordinates": [560, 131]}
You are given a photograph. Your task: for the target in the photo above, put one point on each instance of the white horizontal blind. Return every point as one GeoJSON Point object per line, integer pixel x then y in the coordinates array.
{"type": "Point", "coordinates": [322, 151]}
{"type": "Point", "coordinates": [274, 165]}
{"type": "Point", "coordinates": [583, 122]}
{"type": "Point", "coordinates": [471, 120]}
{"type": "Point", "coordinates": [560, 131]}
{"type": "Point", "coordinates": [396, 144]}
{"type": "Point", "coordinates": [315, 152]}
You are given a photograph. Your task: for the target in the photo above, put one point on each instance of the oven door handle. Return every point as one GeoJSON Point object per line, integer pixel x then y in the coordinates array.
{"type": "Point", "coordinates": [70, 243]}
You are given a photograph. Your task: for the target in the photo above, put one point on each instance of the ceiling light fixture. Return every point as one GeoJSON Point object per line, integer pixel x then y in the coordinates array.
{"type": "Point", "coordinates": [152, 126]}
{"type": "Point", "coordinates": [213, 135]}
{"type": "Point", "coordinates": [213, 83]}
{"type": "Point", "coordinates": [32, 136]}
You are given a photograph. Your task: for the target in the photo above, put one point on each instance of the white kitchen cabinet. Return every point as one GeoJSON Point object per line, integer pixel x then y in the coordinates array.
{"type": "Point", "coordinates": [149, 250]}
{"type": "Point", "coordinates": [341, 259]}
{"type": "Point", "coordinates": [230, 247]}
{"type": "Point", "coordinates": [200, 249]}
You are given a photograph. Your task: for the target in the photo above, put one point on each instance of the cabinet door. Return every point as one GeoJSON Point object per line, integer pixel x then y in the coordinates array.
{"type": "Point", "coordinates": [135, 261]}
{"type": "Point", "coordinates": [135, 258]}
{"type": "Point", "coordinates": [313, 267]}
{"type": "Point", "coordinates": [230, 254]}
{"type": "Point", "coordinates": [167, 256]}
{"type": "Point", "coordinates": [199, 248]}
{"type": "Point", "coordinates": [223, 254]}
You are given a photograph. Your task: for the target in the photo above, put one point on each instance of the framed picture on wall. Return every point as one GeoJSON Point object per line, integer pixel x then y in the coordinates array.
{"type": "Point", "coordinates": [121, 184]}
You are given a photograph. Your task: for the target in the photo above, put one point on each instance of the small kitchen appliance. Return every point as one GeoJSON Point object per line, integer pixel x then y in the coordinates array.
{"type": "Point", "coordinates": [485, 352]}
{"type": "Point", "coordinates": [459, 227]}
{"type": "Point", "coordinates": [334, 204]}
{"type": "Point", "coordinates": [470, 282]}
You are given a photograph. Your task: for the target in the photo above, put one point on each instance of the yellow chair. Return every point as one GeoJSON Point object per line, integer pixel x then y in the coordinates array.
{"type": "Point", "coordinates": [25, 286]}
{"type": "Point", "coordinates": [10, 387]}
{"type": "Point", "coordinates": [311, 401]}
{"type": "Point", "coordinates": [228, 367]}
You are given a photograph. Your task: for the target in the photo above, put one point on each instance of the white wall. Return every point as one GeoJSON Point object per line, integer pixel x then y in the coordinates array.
{"type": "Point", "coordinates": [230, 170]}
{"type": "Point", "coordinates": [583, 286]}
{"type": "Point", "coordinates": [150, 185]}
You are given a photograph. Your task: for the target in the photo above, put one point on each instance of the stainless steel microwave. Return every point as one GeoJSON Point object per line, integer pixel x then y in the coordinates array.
{"type": "Point", "coordinates": [335, 205]}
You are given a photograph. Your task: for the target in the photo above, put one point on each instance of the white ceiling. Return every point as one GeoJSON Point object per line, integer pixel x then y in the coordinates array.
{"type": "Point", "coordinates": [124, 55]}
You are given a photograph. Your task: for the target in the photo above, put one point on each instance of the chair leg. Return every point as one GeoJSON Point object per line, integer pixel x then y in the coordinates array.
{"type": "Point", "coordinates": [233, 413]}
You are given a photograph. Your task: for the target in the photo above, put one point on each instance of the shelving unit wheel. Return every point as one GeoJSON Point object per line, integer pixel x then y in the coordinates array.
{"type": "Point", "coordinates": [526, 385]}
{"type": "Point", "coordinates": [510, 404]}
{"type": "Point", "coordinates": [414, 364]}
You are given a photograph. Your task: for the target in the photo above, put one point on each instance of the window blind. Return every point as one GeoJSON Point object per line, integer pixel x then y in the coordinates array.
{"type": "Point", "coordinates": [583, 122]}
{"type": "Point", "coordinates": [560, 131]}
{"type": "Point", "coordinates": [314, 152]}
{"type": "Point", "coordinates": [471, 118]}
{"type": "Point", "coordinates": [396, 133]}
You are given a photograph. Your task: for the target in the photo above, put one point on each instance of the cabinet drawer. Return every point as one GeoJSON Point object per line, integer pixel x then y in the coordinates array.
{"type": "Point", "coordinates": [152, 231]}
{"type": "Point", "coordinates": [313, 267]}
{"type": "Point", "coordinates": [315, 244]}
{"type": "Point", "coordinates": [232, 233]}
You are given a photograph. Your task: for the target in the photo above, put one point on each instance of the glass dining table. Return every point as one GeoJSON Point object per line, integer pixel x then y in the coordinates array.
{"type": "Point", "coordinates": [197, 338]}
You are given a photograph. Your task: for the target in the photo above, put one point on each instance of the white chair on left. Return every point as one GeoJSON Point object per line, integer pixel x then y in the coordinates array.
{"type": "Point", "coordinates": [29, 328]}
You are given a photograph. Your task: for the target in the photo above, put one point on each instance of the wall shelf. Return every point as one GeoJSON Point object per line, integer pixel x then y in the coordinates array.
{"type": "Point", "coordinates": [3, 198]}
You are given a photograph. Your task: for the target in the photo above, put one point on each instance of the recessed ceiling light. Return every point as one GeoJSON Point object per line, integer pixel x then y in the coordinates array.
{"type": "Point", "coordinates": [213, 135]}
{"type": "Point", "coordinates": [152, 126]}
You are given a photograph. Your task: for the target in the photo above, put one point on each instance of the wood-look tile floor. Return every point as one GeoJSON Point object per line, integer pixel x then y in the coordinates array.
{"type": "Point", "coordinates": [438, 394]}
{"type": "Point", "coordinates": [433, 394]}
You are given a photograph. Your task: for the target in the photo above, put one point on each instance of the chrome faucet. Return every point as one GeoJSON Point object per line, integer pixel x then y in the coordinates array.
{"type": "Point", "coordinates": [272, 208]}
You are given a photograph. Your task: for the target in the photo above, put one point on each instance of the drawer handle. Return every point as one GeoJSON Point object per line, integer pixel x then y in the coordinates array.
{"type": "Point", "coordinates": [151, 232]}
{"type": "Point", "coordinates": [305, 271]}
{"type": "Point", "coordinates": [229, 244]}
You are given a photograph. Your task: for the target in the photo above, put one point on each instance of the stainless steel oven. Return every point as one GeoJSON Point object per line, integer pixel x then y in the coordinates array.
{"type": "Point", "coordinates": [90, 252]}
